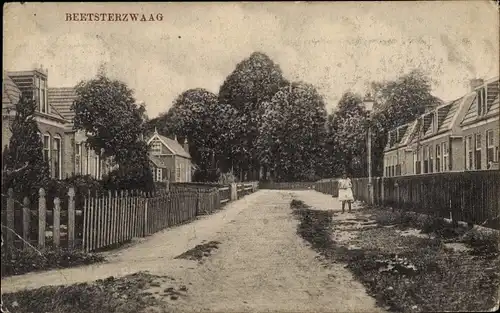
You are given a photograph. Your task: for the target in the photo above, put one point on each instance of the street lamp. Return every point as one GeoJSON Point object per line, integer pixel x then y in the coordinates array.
{"type": "Point", "coordinates": [368, 103]}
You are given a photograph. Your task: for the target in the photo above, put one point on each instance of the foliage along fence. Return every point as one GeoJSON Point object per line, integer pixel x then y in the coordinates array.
{"type": "Point", "coordinates": [286, 185]}
{"type": "Point", "coordinates": [328, 186]}
{"type": "Point", "coordinates": [471, 197]}
{"type": "Point", "coordinates": [106, 220]}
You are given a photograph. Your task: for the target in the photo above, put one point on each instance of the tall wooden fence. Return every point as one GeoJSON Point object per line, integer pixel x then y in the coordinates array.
{"type": "Point", "coordinates": [472, 197]}
{"type": "Point", "coordinates": [108, 220]}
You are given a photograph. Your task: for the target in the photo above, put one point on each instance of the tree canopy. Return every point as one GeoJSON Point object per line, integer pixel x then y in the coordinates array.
{"type": "Point", "coordinates": [25, 148]}
{"type": "Point", "coordinates": [115, 124]}
{"type": "Point", "coordinates": [292, 131]}
{"type": "Point", "coordinates": [254, 81]}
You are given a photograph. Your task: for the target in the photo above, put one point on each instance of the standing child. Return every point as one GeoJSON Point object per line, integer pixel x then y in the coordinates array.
{"type": "Point", "coordinates": [345, 191]}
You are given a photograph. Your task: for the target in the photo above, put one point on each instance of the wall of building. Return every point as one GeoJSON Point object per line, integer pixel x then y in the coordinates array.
{"type": "Point", "coordinates": [482, 129]}
{"type": "Point", "coordinates": [184, 164]}
{"type": "Point", "coordinates": [457, 154]}
{"type": "Point", "coordinates": [69, 155]}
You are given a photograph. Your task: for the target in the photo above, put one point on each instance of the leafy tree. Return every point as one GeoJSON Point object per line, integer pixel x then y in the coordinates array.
{"type": "Point", "coordinates": [254, 81]}
{"type": "Point", "coordinates": [347, 136]}
{"type": "Point", "coordinates": [397, 103]}
{"type": "Point", "coordinates": [108, 112]}
{"type": "Point", "coordinates": [291, 133]}
{"type": "Point", "coordinates": [24, 168]}
{"type": "Point", "coordinates": [207, 124]}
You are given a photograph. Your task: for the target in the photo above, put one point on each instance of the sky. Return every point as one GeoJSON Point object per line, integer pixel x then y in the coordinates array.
{"type": "Point", "coordinates": [336, 46]}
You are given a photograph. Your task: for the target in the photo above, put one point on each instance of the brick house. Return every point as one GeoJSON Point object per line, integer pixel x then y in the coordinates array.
{"type": "Point", "coordinates": [455, 136]}
{"type": "Point", "coordinates": [51, 123]}
{"type": "Point", "coordinates": [169, 160]}
{"type": "Point", "coordinates": [62, 146]}
{"type": "Point", "coordinates": [480, 127]}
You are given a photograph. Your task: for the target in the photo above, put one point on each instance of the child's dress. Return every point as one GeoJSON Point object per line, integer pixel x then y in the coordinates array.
{"type": "Point", "coordinates": [345, 190]}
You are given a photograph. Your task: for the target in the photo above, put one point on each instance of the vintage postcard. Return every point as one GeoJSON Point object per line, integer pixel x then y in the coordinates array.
{"type": "Point", "coordinates": [250, 157]}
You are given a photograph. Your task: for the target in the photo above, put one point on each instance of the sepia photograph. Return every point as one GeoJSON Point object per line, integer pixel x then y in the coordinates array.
{"type": "Point", "coordinates": [287, 157]}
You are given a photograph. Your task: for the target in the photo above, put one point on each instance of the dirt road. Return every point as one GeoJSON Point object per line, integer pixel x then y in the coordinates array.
{"type": "Point", "coordinates": [261, 264]}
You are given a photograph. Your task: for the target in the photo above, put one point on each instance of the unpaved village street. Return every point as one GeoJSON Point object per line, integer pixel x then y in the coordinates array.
{"type": "Point", "coordinates": [261, 264]}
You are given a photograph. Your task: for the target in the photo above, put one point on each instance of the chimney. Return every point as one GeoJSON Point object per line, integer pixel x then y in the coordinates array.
{"type": "Point", "coordinates": [186, 145]}
{"type": "Point", "coordinates": [475, 83]}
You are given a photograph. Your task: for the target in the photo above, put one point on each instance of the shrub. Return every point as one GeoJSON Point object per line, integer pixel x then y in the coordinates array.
{"type": "Point", "coordinates": [18, 262]}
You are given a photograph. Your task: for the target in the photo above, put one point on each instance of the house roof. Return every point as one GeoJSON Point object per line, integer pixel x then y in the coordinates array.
{"type": "Point", "coordinates": [493, 90]}
{"type": "Point", "coordinates": [10, 92]}
{"type": "Point", "coordinates": [157, 161]}
{"type": "Point", "coordinates": [446, 113]}
{"type": "Point", "coordinates": [62, 99]}
{"type": "Point", "coordinates": [171, 144]}
{"type": "Point", "coordinates": [407, 134]}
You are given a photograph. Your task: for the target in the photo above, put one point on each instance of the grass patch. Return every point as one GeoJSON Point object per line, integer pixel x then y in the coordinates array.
{"type": "Point", "coordinates": [199, 251]}
{"type": "Point", "coordinates": [18, 262]}
{"type": "Point", "coordinates": [123, 295]}
{"type": "Point", "coordinates": [412, 274]}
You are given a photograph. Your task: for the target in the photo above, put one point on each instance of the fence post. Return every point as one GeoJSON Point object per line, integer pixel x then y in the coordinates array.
{"type": "Point", "coordinates": [145, 216]}
{"type": "Point", "coordinates": [56, 230]}
{"type": "Point", "coordinates": [234, 191]}
{"type": "Point", "coordinates": [396, 191]}
{"type": "Point", "coordinates": [26, 221]}
{"type": "Point", "coordinates": [71, 218]}
{"type": "Point", "coordinates": [9, 238]}
{"type": "Point", "coordinates": [198, 201]}
{"type": "Point", "coordinates": [42, 208]}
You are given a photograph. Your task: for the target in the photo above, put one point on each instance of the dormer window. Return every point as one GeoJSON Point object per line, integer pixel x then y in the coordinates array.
{"type": "Point", "coordinates": [41, 94]}
{"type": "Point", "coordinates": [432, 127]}
{"type": "Point", "coordinates": [481, 101]}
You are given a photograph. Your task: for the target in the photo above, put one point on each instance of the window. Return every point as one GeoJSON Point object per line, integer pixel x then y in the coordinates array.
{"type": "Point", "coordinates": [178, 173]}
{"type": "Point", "coordinates": [415, 162]}
{"type": "Point", "coordinates": [153, 172]}
{"type": "Point", "coordinates": [46, 148]}
{"type": "Point", "coordinates": [386, 166]}
{"type": "Point", "coordinates": [481, 102]}
{"type": "Point", "coordinates": [57, 155]}
{"type": "Point", "coordinates": [36, 94]}
{"type": "Point", "coordinates": [96, 165]}
{"type": "Point", "coordinates": [445, 156]}
{"type": "Point", "coordinates": [188, 173]}
{"type": "Point", "coordinates": [426, 159]}
{"type": "Point", "coordinates": [43, 96]}
{"type": "Point", "coordinates": [78, 158]}
{"type": "Point", "coordinates": [438, 158]}
{"type": "Point", "coordinates": [398, 164]}
{"type": "Point", "coordinates": [477, 155]}
{"type": "Point", "coordinates": [469, 154]}
{"type": "Point", "coordinates": [182, 172]}
{"type": "Point", "coordinates": [431, 158]}
{"type": "Point", "coordinates": [156, 147]}
{"type": "Point", "coordinates": [432, 125]}
{"type": "Point", "coordinates": [159, 174]}
{"type": "Point", "coordinates": [40, 94]}
{"type": "Point", "coordinates": [490, 147]}
{"type": "Point", "coordinates": [393, 167]}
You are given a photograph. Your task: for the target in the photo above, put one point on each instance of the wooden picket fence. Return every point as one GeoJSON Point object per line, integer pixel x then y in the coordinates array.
{"type": "Point", "coordinates": [470, 196]}
{"type": "Point", "coordinates": [106, 220]}
{"type": "Point", "coordinates": [27, 226]}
